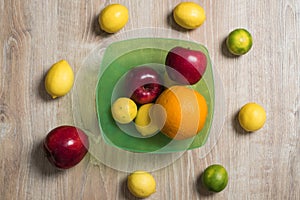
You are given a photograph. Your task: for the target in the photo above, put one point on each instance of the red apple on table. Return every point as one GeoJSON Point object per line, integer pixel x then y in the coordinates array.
{"type": "Point", "coordinates": [66, 146]}
{"type": "Point", "coordinates": [185, 66]}
{"type": "Point", "coordinates": [144, 84]}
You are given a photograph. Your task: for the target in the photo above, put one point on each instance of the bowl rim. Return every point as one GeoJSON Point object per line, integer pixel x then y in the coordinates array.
{"type": "Point", "coordinates": [104, 65]}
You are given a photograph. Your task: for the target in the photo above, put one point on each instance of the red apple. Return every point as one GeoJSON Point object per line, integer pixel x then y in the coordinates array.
{"type": "Point", "coordinates": [144, 84]}
{"type": "Point", "coordinates": [66, 146]}
{"type": "Point", "coordinates": [185, 66]}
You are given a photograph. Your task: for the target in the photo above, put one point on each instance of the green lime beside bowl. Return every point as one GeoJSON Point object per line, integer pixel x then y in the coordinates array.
{"type": "Point", "coordinates": [215, 178]}
{"type": "Point", "coordinates": [239, 41]}
{"type": "Point", "coordinates": [118, 59]}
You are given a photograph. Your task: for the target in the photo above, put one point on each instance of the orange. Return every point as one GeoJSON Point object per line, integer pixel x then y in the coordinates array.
{"type": "Point", "coordinates": [184, 112]}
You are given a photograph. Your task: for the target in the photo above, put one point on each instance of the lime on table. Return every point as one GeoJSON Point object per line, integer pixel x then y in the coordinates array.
{"type": "Point", "coordinates": [239, 41]}
{"type": "Point", "coordinates": [252, 117]}
{"type": "Point", "coordinates": [215, 178]}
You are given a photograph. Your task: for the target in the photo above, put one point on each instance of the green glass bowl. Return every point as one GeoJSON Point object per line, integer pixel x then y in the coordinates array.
{"type": "Point", "coordinates": [118, 58]}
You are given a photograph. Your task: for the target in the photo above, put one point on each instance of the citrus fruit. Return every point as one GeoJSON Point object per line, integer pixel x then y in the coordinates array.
{"type": "Point", "coordinates": [189, 15]}
{"type": "Point", "coordinates": [215, 178]}
{"type": "Point", "coordinates": [239, 41]}
{"type": "Point", "coordinates": [124, 110]}
{"type": "Point", "coordinates": [183, 111]}
{"type": "Point", "coordinates": [143, 122]}
{"type": "Point", "coordinates": [113, 18]}
{"type": "Point", "coordinates": [141, 184]}
{"type": "Point", "coordinates": [252, 117]}
{"type": "Point", "coordinates": [59, 79]}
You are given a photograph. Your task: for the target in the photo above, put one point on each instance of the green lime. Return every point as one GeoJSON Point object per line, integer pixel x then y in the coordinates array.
{"type": "Point", "coordinates": [215, 178]}
{"type": "Point", "coordinates": [239, 41]}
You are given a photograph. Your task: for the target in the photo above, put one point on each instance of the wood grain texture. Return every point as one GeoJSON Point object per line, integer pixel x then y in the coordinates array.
{"type": "Point", "coordinates": [263, 165]}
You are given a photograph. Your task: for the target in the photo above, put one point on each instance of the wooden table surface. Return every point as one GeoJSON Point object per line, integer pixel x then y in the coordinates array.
{"type": "Point", "coordinates": [261, 165]}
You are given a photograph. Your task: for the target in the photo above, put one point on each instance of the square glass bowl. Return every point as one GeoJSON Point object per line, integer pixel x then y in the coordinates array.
{"type": "Point", "coordinates": [118, 58]}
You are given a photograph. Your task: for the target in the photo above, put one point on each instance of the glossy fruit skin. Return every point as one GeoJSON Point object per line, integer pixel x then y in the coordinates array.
{"type": "Point", "coordinates": [59, 79]}
{"type": "Point", "coordinates": [215, 178]}
{"type": "Point", "coordinates": [65, 146]}
{"type": "Point", "coordinates": [185, 66]}
{"type": "Point", "coordinates": [113, 18]}
{"type": "Point", "coordinates": [189, 15]}
{"type": "Point", "coordinates": [143, 84]}
{"type": "Point", "coordinates": [143, 123]}
{"type": "Point", "coordinates": [252, 117]}
{"type": "Point", "coordinates": [124, 110]}
{"type": "Point", "coordinates": [182, 110]}
{"type": "Point", "coordinates": [239, 42]}
{"type": "Point", "coordinates": [141, 184]}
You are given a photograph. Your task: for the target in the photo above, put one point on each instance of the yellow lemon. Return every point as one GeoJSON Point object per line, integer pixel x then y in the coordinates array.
{"type": "Point", "coordinates": [143, 122]}
{"type": "Point", "coordinates": [252, 117]}
{"type": "Point", "coordinates": [113, 18]}
{"type": "Point", "coordinates": [59, 79]}
{"type": "Point", "coordinates": [124, 110]}
{"type": "Point", "coordinates": [141, 184]}
{"type": "Point", "coordinates": [189, 15]}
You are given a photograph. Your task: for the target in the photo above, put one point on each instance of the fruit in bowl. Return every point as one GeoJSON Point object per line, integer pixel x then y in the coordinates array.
{"type": "Point", "coordinates": [143, 121]}
{"type": "Point", "coordinates": [124, 110]}
{"type": "Point", "coordinates": [143, 84]}
{"type": "Point", "coordinates": [185, 66]}
{"type": "Point", "coordinates": [123, 56]}
{"type": "Point", "coordinates": [181, 113]}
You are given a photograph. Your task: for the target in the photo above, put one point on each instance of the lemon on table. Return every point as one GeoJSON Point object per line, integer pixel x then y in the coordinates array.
{"type": "Point", "coordinates": [143, 122]}
{"type": "Point", "coordinates": [141, 184]}
{"type": "Point", "coordinates": [189, 15]}
{"type": "Point", "coordinates": [215, 178]}
{"type": "Point", "coordinates": [113, 18]}
{"type": "Point", "coordinates": [252, 117]}
{"type": "Point", "coordinates": [239, 41]}
{"type": "Point", "coordinates": [124, 110]}
{"type": "Point", "coordinates": [59, 79]}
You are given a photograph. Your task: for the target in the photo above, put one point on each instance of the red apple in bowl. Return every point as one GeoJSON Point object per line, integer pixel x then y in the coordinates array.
{"type": "Point", "coordinates": [185, 66]}
{"type": "Point", "coordinates": [144, 84]}
{"type": "Point", "coordinates": [66, 146]}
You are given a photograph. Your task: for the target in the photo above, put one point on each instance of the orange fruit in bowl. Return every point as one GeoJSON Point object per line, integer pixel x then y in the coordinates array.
{"type": "Point", "coordinates": [183, 111]}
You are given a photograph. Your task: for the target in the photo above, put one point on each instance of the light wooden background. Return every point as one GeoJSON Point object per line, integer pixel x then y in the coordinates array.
{"type": "Point", "coordinates": [262, 165]}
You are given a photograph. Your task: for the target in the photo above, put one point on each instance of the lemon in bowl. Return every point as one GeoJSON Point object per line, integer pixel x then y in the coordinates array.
{"type": "Point", "coordinates": [124, 110]}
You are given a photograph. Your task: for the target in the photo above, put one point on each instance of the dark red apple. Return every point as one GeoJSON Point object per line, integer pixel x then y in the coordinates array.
{"type": "Point", "coordinates": [144, 84]}
{"type": "Point", "coordinates": [66, 146]}
{"type": "Point", "coordinates": [185, 66]}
